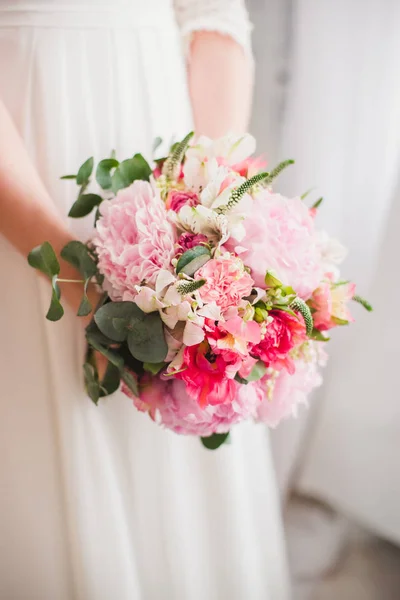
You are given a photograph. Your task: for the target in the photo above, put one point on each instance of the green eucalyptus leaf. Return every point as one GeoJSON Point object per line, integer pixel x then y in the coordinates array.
{"type": "Point", "coordinates": [130, 382]}
{"type": "Point", "coordinates": [134, 168]}
{"type": "Point", "coordinates": [85, 172]}
{"type": "Point", "coordinates": [117, 182]}
{"type": "Point", "coordinates": [85, 307]}
{"type": "Point", "coordinates": [146, 340]}
{"type": "Point", "coordinates": [111, 381]}
{"type": "Point", "coordinates": [77, 254]}
{"type": "Point", "coordinates": [103, 172]}
{"type": "Point", "coordinates": [56, 310]}
{"type": "Point", "coordinates": [257, 372]}
{"type": "Point", "coordinates": [214, 441]}
{"type": "Point", "coordinates": [241, 380]}
{"type": "Point", "coordinates": [68, 177]}
{"type": "Point", "coordinates": [84, 205]}
{"type": "Point", "coordinates": [44, 259]}
{"type": "Point", "coordinates": [156, 144]}
{"type": "Point", "coordinates": [111, 355]}
{"type": "Point", "coordinates": [94, 333]}
{"type": "Point", "coordinates": [153, 368]}
{"type": "Point", "coordinates": [192, 260]}
{"type": "Point", "coordinates": [91, 382]}
{"type": "Point", "coordinates": [116, 319]}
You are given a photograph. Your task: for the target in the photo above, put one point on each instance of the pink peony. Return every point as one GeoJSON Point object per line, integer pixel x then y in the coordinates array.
{"type": "Point", "coordinates": [283, 333]}
{"type": "Point", "coordinates": [280, 236]}
{"type": "Point", "coordinates": [190, 240]}
{"type": "Point", "coordinates": [205, 376]}
{"type": "Point", "coordinates": [133, 239]}
{"type": "Point", "coordinates": [168, 402]}
{"type": "Point", "coordinates": [282, 393]}
{"type": "Point", "coordinates": [329, 304]}
{"type": "Point", "coordinates": [176, 199]}
{"type": "Point", "coordinates": [227, 281]}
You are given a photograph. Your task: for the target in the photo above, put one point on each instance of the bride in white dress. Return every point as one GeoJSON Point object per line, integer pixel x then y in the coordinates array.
{"type": "Point", "coordinates": [97, 503]}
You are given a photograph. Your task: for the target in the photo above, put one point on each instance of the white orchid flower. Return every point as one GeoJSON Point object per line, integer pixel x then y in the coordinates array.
{"type": "Point", "coordinates": [200, 163]}
{"type": "Point", "coordinates": [200, 219]}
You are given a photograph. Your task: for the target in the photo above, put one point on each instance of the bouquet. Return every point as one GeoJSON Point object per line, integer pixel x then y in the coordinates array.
{"type": "Point", "coordinates": [217, 291]}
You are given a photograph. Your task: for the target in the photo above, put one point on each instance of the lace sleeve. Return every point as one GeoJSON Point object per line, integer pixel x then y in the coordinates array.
{"type": "Point", "coordinates": [228, 17]}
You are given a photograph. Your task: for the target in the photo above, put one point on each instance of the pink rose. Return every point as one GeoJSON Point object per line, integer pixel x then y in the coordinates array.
{"type": "Point", "coordinates": [227, 282]}
{"type": "Point", "coordinates": [190, 240]}
{"type": "Point", "coordinates": [176, 199]}
{"type": "Point", "coordinates": [133, 239]}
{"type": "Point", "coordinates": [283, 333]}
{"type": "Point", "coordinates": [329, 303]}
{"type": "Point", "coordinates": [168, 402]}
{"type": "Point", "coordinates": [280, 236]}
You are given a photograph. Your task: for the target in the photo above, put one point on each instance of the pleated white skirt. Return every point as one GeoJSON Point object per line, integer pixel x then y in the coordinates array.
{"type": "Point", "coordinates": [97, 503]}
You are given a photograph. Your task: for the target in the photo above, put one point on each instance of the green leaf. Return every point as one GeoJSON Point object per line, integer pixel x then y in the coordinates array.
{"type": "Point", "coordinates": [91, 382]}
{"type": "Point", "coordinates": [240, 379]}
{"type": "Point", "coordinates": [103, 172]}
{"type": "Point", "coordinates": [271, 281]}
{"type": "Point", "coordinates": [156, 144]}
{"type": "Point", "coordinates": [77, 254]}
{"type": "Point", "coordinates": [135, 168]}
{"type": "Point", "coordinates": [111, 381]}
{"type": "Point", "coordinates": [44, 259]}
{"type": "Point", "coordinates": [85, 172]}
{"type": "Point", "coordinates": [303, 196]}
{"type": "Point", "coordinates": [85, 307]}
{"type": "Point", "coordinates": [112, 356]}
{"type": "Point", "coordinates": [56, 310]}
{"type": "Point", "coordinates": [116, 319]}
{"type": "Point", "coordinates": [363, 303]}
{"type": "Point", "coordinates": [84, 205]}
{"type": "Point", "coordinates": [146, 340]}
{"type": "Point", "coordinates": [129, 171]}
{"type": "Point", "coordinates": [153, 368]}
{"type": "Point", "coordinates": [95, 334]}
{"type": "Point", "coordinates": [318, 336]}
{"type": "Point", "coordinates": [117, 182]}
{"type": "Point", "coordinates": [130, 381]}
{"type": "Point", "coordinates": [215, 440]}
{"type": "Point", "coordinates": [338, 321]}
{"type": "Point", "coordinates": [318, 203]}
{"type": "Point", "coordinates": [68, 177]}
{"type": "Point", "coordinates": [192, 260]}
{"type": "Point", "coordinates": [257, 372]}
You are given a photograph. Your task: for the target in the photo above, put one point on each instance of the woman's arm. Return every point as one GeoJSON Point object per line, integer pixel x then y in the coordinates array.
{"type": "Point", "coordinates": [28, 216]}
{"type": "Point", "coordinates": [220, 78]}
{"type": "Point", "coordinates": [217, 40]}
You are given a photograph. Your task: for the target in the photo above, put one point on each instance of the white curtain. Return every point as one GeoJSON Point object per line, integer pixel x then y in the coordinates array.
{"type": "Point", "coordinates": [341, 122]}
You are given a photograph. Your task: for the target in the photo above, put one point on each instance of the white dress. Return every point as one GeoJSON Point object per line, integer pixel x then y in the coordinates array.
{"type": "Point", "coordinates": [97, 503]}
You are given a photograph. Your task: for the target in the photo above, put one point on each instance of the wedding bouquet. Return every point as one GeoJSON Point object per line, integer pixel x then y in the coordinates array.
{"type": "Point", "coordinates": [218, 292]}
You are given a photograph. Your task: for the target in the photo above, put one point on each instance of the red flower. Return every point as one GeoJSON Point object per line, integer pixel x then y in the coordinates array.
{"type": "Point", "coordinates": [205, 376]}
{"type": "Point", "coordinates": [282, 334]}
